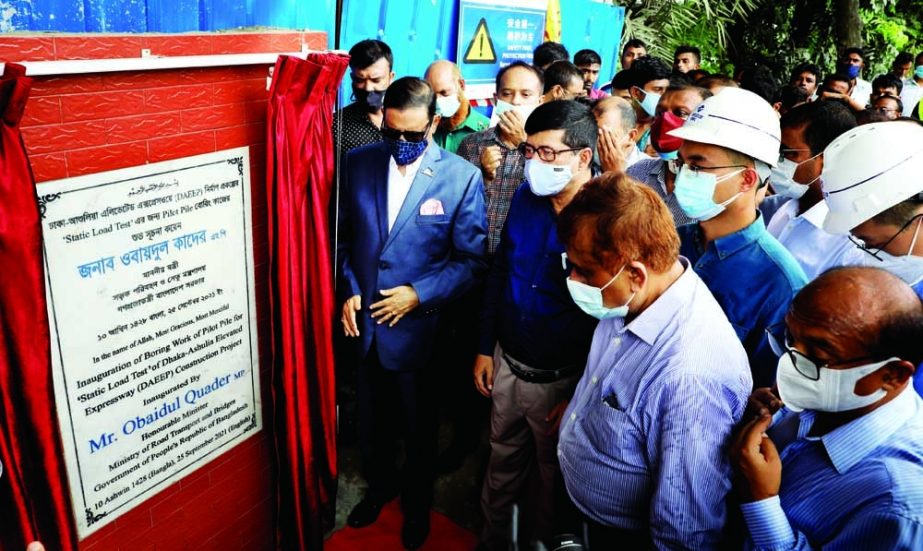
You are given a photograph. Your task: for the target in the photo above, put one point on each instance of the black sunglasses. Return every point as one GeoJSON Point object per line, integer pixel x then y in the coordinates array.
{"type": "Point", "coordinates": [409, 135]}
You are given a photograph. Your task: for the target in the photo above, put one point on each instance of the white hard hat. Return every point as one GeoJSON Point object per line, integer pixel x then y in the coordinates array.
{"type": "Point", "coordinates": [736, 119]}
{"type": "Point", "coordinates": [870, 169]}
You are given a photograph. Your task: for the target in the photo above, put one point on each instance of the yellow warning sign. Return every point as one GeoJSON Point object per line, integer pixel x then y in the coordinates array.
{"type": "Point", "coordinates": [481, 47]}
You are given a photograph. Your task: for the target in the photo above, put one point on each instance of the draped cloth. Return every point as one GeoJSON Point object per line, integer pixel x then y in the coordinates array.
{"type": "Point", "coordinates": [299, 183]}
{"type": "Point", "coordinates": [34, 500]}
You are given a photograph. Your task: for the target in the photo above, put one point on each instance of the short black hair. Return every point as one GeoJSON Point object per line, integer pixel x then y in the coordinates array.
{"type": "Point", "coordinates": [633, 43]}
{"type": "Point", "coordinates": [366, 52]}
{"type": "Point", "coordinates": [823, 122]}
{"type": "Point", "coordinates": [919, 59]}
{"type": "Point", "coordinates": [836, 77]}
{"type": "Point", "coordinates": [887, 80]}
{"type": "Point", "coordinates": [548, 52]}
{"type": "Point", "coordinates": [561, 73]}
{"type": "Point", "coordinates": [790, 95]}
{"type": "Point", "coordinates": [867, 116]}
{"type": "Point", "coordinates": [521, 65]}
{"type": "Point", "coordinates": [759, 80]}
{"type": "Point", "coordinates": [902, 58]}
{"type": "Point", "coordinates": [587, 57]}
{"type": "Point", "coordinates": [687, 49]}
{"type": "Point", "coordinates": [622, 80]}
{"type": "Point", "coordinates": [575, 119]}
{"type": "Point", "coordinates": [853, 50]}
{"type": "Point", "coordinates": [897, 100]}
{"type": "Point", "coordinates": [703, 93]}
{"type": "Point", "coordinates": [806, 68]}
{"type": "Point", "coordinates": [410, 92]}
{"type": "Point", "coordinates": [648, 68]}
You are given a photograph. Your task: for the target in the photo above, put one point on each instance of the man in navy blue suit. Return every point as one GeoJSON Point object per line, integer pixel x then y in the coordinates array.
{"type": "Point", "coordinates": [413, 234]}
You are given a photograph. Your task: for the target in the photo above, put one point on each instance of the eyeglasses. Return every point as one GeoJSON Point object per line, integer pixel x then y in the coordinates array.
{"type": "Point", "coordinates": [805, 365]}
{"type": "Point", "coordinates": [409, 135]}
{"type": "Point", "coordinates": [875, 251]}
{"type": "Point", "coordinates": [545, 153]}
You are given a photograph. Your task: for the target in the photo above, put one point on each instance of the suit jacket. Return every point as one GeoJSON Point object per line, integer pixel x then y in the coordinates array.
{"type": "Point", "coordinates": [440, 255]}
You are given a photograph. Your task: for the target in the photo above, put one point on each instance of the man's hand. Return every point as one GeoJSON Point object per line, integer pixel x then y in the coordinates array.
{"type": "Point", "coordinates": [352, 305]}
{"type": "Point", "coordinates": [757, 459]}
{"type": "Point", "coordinates": [555, 416]}
{"type": "Point", "coordinates": [511, 129]}
{"type": "Point", "coordinates": [397, 302]}
{"type": "Point", "coordinates": [484, 374]}
{"type": "Point", "coordinates": [491, 158]}
{"type": "Point", "coordinates": [762, 401]}
{"type": "Point", "coordinates": [611, 155]}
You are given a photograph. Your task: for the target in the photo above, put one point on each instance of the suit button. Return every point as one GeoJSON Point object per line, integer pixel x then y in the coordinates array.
{"type": "Point", "coordinates": [384, 265]}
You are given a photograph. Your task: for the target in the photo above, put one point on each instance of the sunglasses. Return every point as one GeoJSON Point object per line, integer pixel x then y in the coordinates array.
{"type": "Point", "coordinates": [409, 135]}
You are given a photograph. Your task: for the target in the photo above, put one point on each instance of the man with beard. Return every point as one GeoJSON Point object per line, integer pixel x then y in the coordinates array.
{"type": "Point", "coordinates": [358, 124]}
{"type": "Point", "coordinates": [459, 120]}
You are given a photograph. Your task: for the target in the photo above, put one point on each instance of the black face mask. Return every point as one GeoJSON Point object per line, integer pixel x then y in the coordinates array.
{"type": "Point", "coordinates": [372, 99]}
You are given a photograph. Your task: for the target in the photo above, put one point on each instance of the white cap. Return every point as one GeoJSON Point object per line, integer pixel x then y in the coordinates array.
{"type": "Point", "coordinates": [870, 169]}
{"type": "Point", "coordinates": [736, 119]}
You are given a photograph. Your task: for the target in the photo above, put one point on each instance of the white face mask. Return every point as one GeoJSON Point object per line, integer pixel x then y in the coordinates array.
{"type": "Point", "coordinates": [908, 267]}
{"type": "Point", "coordinates": [447, 106]}
{"type": "Point", "coordinates": [833, 391]}
{"type": "Point", "coordinates": [783, 182]}
{"type": "Point", "coordinates": [547, 179]}
{"type": "Point", "coordinates": [590, 299]}
{"type": "Point", "coordinates": [503, 106]}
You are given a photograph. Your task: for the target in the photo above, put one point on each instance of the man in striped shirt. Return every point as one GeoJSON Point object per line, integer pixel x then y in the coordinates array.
{"type": "Point", "coordinates": [643, 441]}
{"type": "Point", "coordinates": [842, 465]}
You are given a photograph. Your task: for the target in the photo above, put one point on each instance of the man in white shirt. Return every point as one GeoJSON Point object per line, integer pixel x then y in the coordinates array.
{"type": "Point", "coordinates": [851, 63]}
{"type": "Point", "coordinates": [798, 222]}
{"type": "Point", "coordinates": [913, 87]}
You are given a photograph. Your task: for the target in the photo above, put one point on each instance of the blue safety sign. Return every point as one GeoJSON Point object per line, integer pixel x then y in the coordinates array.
{"type": "Point", "coordinates": [493, 34]}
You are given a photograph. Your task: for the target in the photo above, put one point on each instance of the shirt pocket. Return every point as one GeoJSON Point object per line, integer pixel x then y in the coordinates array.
{"type": "Point", "coordinates": [433, 219]}
{"type": "Point", "coordinates": [612, 432]}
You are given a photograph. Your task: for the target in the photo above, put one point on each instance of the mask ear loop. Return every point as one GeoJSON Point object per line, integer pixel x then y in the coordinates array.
{"type": "Point", "coordinates": [736, 195]}
{"type": "Point", "coordinates": [916, 233]}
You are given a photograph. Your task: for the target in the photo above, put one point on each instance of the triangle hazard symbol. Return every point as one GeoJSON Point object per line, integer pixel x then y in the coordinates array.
{"type": "Point", "coordinates": [481, 47]}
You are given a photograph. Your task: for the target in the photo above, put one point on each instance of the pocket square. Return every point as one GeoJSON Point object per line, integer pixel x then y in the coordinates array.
{"type": "Point", "coordinates": [431, 207]}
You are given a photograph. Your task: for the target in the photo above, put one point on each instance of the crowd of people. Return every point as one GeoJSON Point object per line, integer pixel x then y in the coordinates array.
{"type": "Point", "coordinates": [693, 300]}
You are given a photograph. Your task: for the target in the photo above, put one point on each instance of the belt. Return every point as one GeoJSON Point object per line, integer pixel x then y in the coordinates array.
{"type": "Point", "coordinates": [532, 375]}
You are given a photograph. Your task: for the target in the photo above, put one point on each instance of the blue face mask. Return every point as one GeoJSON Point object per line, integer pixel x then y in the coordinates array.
{"type": "Point", "coordinates": [695, 192]}
{"type": "Point", "coordinates": [405, 153]}
{"type": "Point", "coordinates": [590, 299]}
{"type": "Point", "coordinates": [918, 71]}
{"type": "Point", "coordinates": [852, 71]}
{"type": "Point", "coordinates": [650, 101]}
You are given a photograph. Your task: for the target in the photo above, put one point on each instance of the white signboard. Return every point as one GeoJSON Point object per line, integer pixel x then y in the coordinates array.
{"type": "Point", "coordinates": [153, 324]}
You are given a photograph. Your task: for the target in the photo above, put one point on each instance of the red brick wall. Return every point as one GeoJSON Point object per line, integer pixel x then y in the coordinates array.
{"type": "Point", "coordinates": [81, 124]}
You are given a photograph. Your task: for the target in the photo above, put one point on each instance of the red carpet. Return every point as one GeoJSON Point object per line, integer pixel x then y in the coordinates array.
{"type": "Point", "coordinates": [385, 534]}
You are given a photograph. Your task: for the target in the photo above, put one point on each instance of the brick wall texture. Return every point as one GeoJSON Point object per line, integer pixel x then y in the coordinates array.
{"type": "Point", "coordinates": [82, 124]}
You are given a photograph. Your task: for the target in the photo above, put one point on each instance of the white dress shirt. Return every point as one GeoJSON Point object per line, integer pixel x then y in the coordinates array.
{"type": "Point", "coordinates": [911, 95]}
{"type": "Point", "coordinates": [804, 236]}
{"type": "Point", "coordinates": [398, 186]}
{"type": "Point", "coordinates": [861, 91]}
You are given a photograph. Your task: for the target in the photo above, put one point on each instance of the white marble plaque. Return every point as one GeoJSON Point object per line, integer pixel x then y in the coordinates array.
{"type": "Point", "coordinates": [150, 285]}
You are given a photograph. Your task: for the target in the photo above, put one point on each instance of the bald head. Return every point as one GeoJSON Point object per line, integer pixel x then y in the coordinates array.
{"type": "Point", "coordinates": [615, 113]}
{"type": "Point", "coordinates": [855, 312]}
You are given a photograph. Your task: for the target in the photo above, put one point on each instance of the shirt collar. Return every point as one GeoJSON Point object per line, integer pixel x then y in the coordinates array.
{"type": "Point", "coordinates": [660, 170]}
{"type": "Point", "coordinates": [730, 244]}
{"type": "Point", "coordinates": [849, 444]}
{"type": "Point", "coordinates": [652, 321]}
{"type": "Point", "coordinates": [816, 214]}
{"type": "Point", "coordinates": [473, 121]}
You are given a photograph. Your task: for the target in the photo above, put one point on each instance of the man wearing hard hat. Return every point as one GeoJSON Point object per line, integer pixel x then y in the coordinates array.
{"type": "Point", "coordinates": [730, 144]}
{"type": "Point", "coordinates": [873, 186]}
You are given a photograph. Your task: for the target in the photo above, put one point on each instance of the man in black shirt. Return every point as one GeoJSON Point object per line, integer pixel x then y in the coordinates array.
{"type": "Point", "coordinates": [359, 123]}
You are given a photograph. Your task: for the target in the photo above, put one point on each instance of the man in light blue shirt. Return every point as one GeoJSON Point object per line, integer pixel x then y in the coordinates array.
{"type": "Point", "coordinates": [798, 223]}
{"type": "Point", "coordinates": [842, 465]}
{"type": "Point", "coordinates": [730, 143]}
{"type": "Point", "coordinates": [643, 442]}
